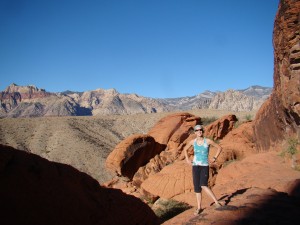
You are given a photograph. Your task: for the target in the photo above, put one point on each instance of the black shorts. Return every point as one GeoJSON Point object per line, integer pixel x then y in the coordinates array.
{"type": "Point", "coordinates": [200, 177]}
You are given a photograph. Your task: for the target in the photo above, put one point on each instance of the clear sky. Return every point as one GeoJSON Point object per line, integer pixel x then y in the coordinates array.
{"type": "Point", "coordinates": [154, 48]}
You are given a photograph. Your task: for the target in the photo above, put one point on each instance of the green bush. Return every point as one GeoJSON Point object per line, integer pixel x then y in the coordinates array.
{"type": "Point", "coordinates": [248, 117]}
{"type": "Point", "coordinates": [291, 148]}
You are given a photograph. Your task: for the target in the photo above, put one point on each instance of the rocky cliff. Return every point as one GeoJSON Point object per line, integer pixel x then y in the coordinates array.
{"type": "Point", "coordinates": [279, 117]}
{"type": "Point", "coordinates": [235, 101]}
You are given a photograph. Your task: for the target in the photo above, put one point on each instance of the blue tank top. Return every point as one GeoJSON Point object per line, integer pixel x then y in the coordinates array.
{"type": "Point", "coordinates": [201, 153]}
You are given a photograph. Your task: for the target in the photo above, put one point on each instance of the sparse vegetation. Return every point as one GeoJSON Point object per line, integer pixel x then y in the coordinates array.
{"type": "Point", "coordinates": [291, 148]}
{"type": "Point", "coordinates": [297, 167]}
{"type": "Point", "coordinates": [170, 208]}
{"type": "Point", "coordinates": [208, 120]}
{"type": "Point", "coordinates": [149, 201]}
{"type": "Point", "coordinates": [248, 117]}
{"type": "Point", "coordinates": [290, 152]}
{"type": "Point", "coordinates": [237, 124]}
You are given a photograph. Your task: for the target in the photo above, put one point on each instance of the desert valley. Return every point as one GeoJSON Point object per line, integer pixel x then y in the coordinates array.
{"type": "Point", "coordinates": [129, 168]}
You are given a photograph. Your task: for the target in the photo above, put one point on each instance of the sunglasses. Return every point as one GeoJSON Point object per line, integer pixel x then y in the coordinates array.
{"type": "Point", "coordinates": [198, 130]}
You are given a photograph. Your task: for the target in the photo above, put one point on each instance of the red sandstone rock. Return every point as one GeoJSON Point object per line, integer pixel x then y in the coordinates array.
{"type": "Point", "coordinates": [172, 180]}
{"type": "Point", "coordinates": [279, 117]}
{"type": "Point", "coordinates": [132, 153]}
{"type": "Point", "coordinates": [263, 170]}
{"type": "Point", "coordinates": [171, 134]}
{"type": "Point", "coordinates": [246, 206]}
{"type": "Point", "coordinates": [221, 127]}
{"type": "Point", "coordinates": [20, 93]}
{"type": "Point", "coordinates": [142, 152]}
{"type": "Point", "coordinates": [238, 143]}
{"type": "Point", "coordinates": [172, 130]}
{"type": "Point", "coordinates": [34, 190]}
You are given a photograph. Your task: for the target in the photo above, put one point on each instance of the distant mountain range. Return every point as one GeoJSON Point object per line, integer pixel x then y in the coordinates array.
{"type": "Point", "coordinates": [30, 101]}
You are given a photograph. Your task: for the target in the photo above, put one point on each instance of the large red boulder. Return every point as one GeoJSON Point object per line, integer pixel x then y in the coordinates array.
{"type": "Point", "coordinates": [132, 153]}
{"type": "Point", "coordinates": [172, 130]}
{"type": "Point", "coordinates": [221, 127]}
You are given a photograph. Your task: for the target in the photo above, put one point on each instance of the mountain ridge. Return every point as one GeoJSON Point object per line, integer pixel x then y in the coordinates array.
{"type": "Point", "coordinates": [30, 101]}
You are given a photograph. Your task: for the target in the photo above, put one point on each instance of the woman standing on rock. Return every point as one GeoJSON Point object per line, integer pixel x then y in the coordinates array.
{"type": "Point", "coordinates": [201, 165]}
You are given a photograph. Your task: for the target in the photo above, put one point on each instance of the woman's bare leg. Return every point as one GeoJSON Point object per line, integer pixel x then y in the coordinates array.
{"type": "Point", "coordinates": [199, 198]}
{"type": "Point", "coordinates": [211, 194]}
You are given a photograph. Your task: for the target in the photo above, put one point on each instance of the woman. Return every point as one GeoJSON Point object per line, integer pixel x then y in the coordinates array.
{"type": "Point", "coordinates": [201, 165]}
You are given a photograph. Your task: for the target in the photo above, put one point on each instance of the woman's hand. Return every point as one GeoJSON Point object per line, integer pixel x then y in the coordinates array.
{"type": "Point", "coordinates": [213, 160]}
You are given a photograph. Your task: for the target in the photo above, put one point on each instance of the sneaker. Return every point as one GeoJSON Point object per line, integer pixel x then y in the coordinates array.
{"type": "Point", "coordinates": [197, 212]}
{"type": "Point", "coordinates": [218, 205]}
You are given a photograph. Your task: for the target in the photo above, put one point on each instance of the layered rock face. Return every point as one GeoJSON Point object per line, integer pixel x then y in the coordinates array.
{"type": "Point", "coordinates": [235, 101]}
{"type": "Point", "coordinates": [29, 101]}
{"type": "Point", "coordinates": [14, 94]}
{"type": "Point", "coordinates": [279, 117]}
{"type": "Point", "coordinates": [107, 102]}
{"type": "Point", "coordinates": [25, 92]}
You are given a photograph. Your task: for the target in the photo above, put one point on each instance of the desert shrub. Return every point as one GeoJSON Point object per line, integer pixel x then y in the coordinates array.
{"type": "Point", "coordinates": [291, 148]}
{"type": "Point", "coordinates": [297, 167]}
{"type": "Point", "coordinates": [248, 117]}
{"type": "Point", "coordinates": [148, 200]}
{"type": "Point", "coordinates": [290, 151]}
{"type": "Point", "coordinates": [241, 120]}
{"type": "Point", "coordinates": [237, 123]}
{"type": "Point", "coordinates": [208, 120]}
{"type": "Point", "coordinates": [170, 208]}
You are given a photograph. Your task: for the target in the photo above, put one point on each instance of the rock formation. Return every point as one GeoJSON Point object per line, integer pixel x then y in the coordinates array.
{"type": "Point", "coordinates": [14, 95]}
{"type": "Point", "coordinates": [139, 155]}
{"type": "Point", "coordinates": [279, 117]}
{"type": "Point", "coordinates": [132, 153]}
{"type": "Point", "coordinates": [218, 129]}
{"type": "Point", "coordinates": [235, 101]}
{"type": "Point", "coordinates": [153, 159]}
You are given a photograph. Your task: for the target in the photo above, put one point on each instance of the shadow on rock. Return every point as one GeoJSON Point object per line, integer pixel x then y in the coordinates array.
{"type": "Point", "coordinates": [278, 208]}
{"type": "Point", "coordinates": [34, 190]}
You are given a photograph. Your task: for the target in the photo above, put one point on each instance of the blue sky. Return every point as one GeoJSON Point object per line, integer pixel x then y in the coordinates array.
{"type": "Point", "coordinates": [154, 48]}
